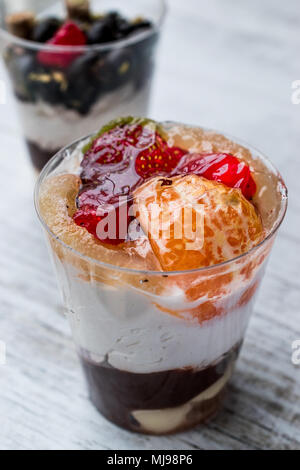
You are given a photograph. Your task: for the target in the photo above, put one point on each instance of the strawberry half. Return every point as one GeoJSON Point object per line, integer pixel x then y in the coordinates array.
{"type": "Point", "coordinates": [116, 146]}
{"type": "Point", "coordinates": [221, 167]}
{"type": "Point", "coordinates": [158, 160]}
{"type": "Point", "coordinates": [68, 35]}
{"type": "Point", "coordinates": [97, 204]}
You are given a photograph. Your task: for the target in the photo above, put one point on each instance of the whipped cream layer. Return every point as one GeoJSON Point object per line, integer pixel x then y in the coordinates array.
{"type": "Point", "coordinates": [53, 127]}
{"type": "Point", "coordinates": [123, 326]}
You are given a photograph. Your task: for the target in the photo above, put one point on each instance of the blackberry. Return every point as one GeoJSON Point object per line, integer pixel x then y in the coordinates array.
{"type": "Point", "coordinates": [100, 32]}
{"type": "Point", "coordinates": [46, 29]}
{"type": "Point", "coordinates": [83, 86]}
{"type": "Point", "coordinates": [120, 65]}
{"type": "Point", "coordinates": [20, 64]}
{"type": "Point", "coordinates": [48, 85]}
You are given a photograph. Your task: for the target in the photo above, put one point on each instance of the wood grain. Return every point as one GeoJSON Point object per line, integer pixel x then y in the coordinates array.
{"type": "Point", "coordinates": [227, 65]}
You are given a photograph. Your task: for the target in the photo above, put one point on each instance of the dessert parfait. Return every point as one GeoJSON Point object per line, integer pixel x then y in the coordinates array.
{"type": "Point", "coordinates": [75, 64]}
{"type": "Point", "coordinates": [160, 234]}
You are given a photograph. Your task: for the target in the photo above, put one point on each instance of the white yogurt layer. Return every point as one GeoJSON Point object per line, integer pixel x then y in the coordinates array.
{"type": "Point", "coordinates": [53, 127]}
{"type": "Point", "coordinates": [125, 328]}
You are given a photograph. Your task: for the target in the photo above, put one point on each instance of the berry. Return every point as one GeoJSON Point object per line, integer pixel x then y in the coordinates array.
{"type": "Point", "coordinates": [129, 151]}
{"type": "Point", "coordinates": [138, 26]}
{"type": "Point", "coordinates": [120, 64]}
{"type": "Point", "coordinates": [101, 32]}
{"type": "Point", "coordinates": [221, 167]}
{"type": "Point", "coordinates": [115, 147]}
{"type": "Point", "coordinates": [97, 204]}
{"type": "Point", "coordinates": [159, 159]}
{"type": "Point", "coordinates": [46, 29]}
{"type": "Point", "coordinates": [68, 35]}
{"type": "Point", "coordinates": [80, 76]}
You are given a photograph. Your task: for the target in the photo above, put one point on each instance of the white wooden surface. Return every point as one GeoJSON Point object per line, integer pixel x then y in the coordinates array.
{"type": "Point", "coordinates": [223, 64]}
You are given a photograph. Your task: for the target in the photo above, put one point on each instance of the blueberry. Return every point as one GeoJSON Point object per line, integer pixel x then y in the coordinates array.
{"type": "Point", "coordinates": [100, 32]}
{"type": "Point", "coordinates": [145, 48]}
{"type": "Point", "coordinates": [143, 73]}
{"type": "Point", "coordinates": [112, 27]}
{"type": "Point", "coordinates": [46, 29]}
{"type": "Point", "coordinates": [20, 64]}
{"type": "Point", "coordinates": [32, 80]}
{"type": "Point", "coordinates": [83, 86]}
{"type": "Point", "coordinates": [120, 26]}
{"type": "Point", "coordinates": [120, 67]}
{"type": "Point", "coordinates": [143, 52]}
{"type": "Point", "coordinates": [139, 26]}
{"type": "Point", "coordinates": [48, 85]}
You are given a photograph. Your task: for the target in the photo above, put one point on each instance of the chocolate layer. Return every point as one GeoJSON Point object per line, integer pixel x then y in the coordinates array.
{"type": "Point", "coordinates": [116, 393]}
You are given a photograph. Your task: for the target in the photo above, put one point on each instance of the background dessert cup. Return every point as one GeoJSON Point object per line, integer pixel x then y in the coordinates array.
{"type": "Point", "coordinates": [158, 348]}
{"type": "Point", "coordinates": [57, 104]}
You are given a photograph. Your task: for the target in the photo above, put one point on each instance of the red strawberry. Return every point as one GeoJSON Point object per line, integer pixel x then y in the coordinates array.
{"type": "Point", "coordinates": [157, 160]}
{"type": "Point", "coordinates": [222, 167]}
{"type": "Point", "coordinates": [88, 220]}
{"type": "Point", "coordinates": [114, 148]}
{"type": "Point", "coordinates": [68, 35]}
{"type": "Point", "coordinates": [113, 229]}
{"type": "Point", "coordinates": [95, 205]}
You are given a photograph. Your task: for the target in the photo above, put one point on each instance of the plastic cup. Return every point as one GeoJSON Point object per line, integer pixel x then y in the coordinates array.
{"type": "Point", "coordinates": [159, 348]}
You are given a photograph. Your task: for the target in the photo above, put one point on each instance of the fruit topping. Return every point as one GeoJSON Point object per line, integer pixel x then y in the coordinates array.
{"type": "Point", "coordinates": [48, 86]}
{"type": "Point", "coordinates": [117, 146]}
{"type": "Point", "coordinates": [58, 196]}
{"type": "Point", "coordinates": [45, 29]}
{"type": "Point", "coordinates": [96, 72]}
{"type": "Point", "coordinates": [158, 159]}
{"type": "Point", "coordinates": [20, 65]}
{"type": "Point", "coordinates": [192, 222]}
{"type": "Point", "coordinates": [125, 153]}
{"type": "Point", "coordinates": [21, 24]}
{"type": "Point", "coordinates": [68, 35]}
{"type": "Point", "coordinates": [107, 222]}
{"type": "Point", "coordinates": [221, 167]}
{"type": "Point", "coordinates": [139, 25]}
{"type": "Point", "coordinates": [129, 151]}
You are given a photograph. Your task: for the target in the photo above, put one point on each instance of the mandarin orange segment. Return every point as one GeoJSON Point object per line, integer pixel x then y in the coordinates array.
{"type": "Point", "coordinates": [192, 222]}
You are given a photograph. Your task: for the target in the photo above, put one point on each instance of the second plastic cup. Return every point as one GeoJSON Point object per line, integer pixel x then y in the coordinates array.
{"type": "Point", "coordinates": [102, 82]}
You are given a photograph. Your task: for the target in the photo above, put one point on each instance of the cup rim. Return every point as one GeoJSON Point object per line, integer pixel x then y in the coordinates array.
{"type": "Point", "coordinates": [277, 224]}
{"type": "Point", "coordinates": [122, 43]}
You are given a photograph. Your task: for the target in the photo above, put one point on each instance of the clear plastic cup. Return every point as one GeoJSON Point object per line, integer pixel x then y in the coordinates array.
{"type": "Point", "coordinates": [159, 348]}
{"type": "Point", "coordinates": [56, 104]}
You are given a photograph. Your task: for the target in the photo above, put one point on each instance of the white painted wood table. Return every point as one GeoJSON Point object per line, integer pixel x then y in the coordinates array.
{"type": "Point", "coordinates": [223, 64]}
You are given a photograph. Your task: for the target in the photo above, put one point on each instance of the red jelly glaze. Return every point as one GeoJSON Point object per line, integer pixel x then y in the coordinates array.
{"type": "Point", "coordinates": [68, 35]}
{"type": "Point", "coordinates": [121, 159]}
